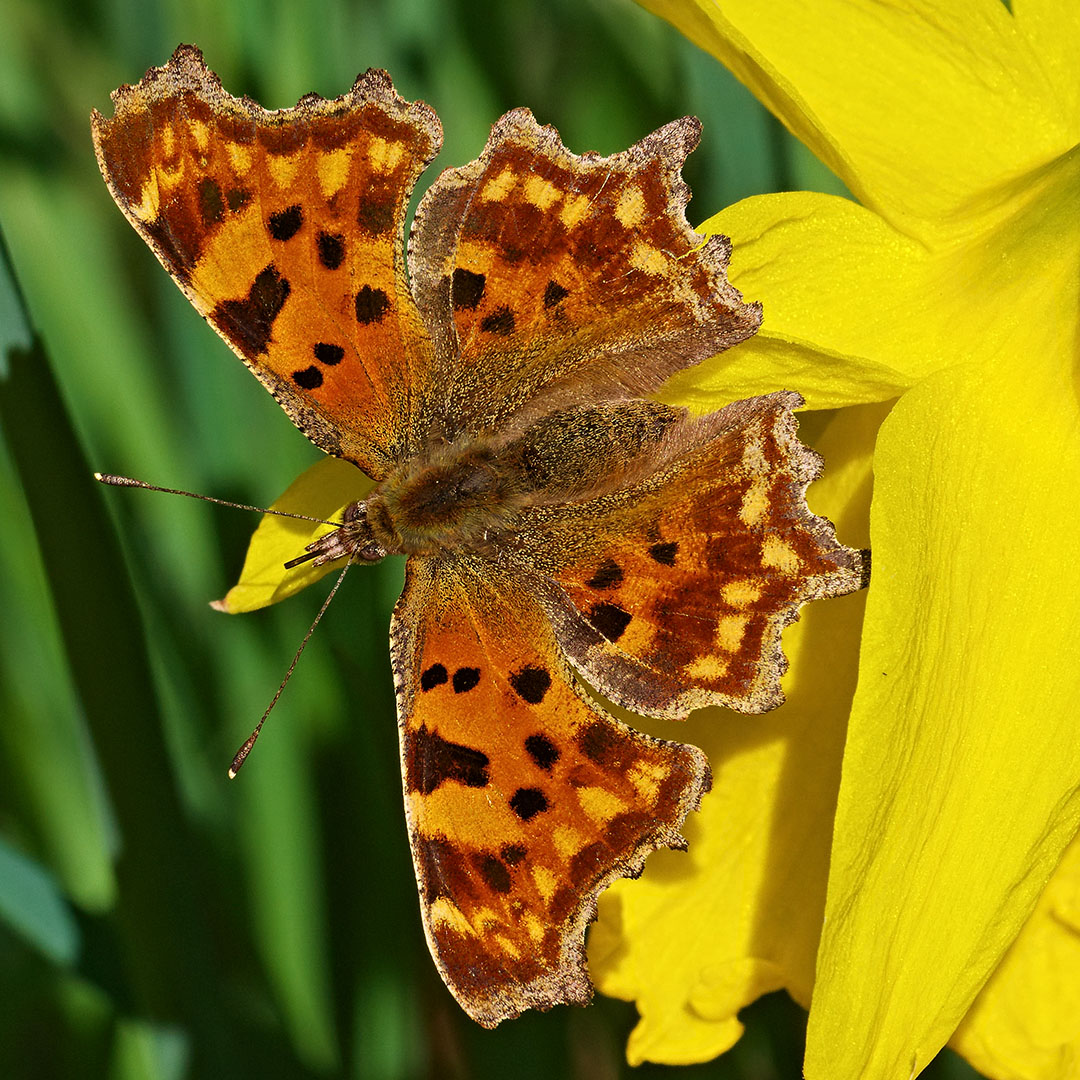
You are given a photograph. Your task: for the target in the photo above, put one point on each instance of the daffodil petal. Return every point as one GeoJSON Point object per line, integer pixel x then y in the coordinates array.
{"type": "Point", "coordinates": [835, 281]}
{"type": "Point", "coordinates": [961, 781]}
{"type": "Point", "coordinates": [1025, 1025]}
{"type": "Point", "coordinates": [322, 491]}
{"type": "Point", "coordinates": [917, 105]}
{"type": "Point", "coordinates": [1052, 29]}
{"type": "Point", "coordinates": [702, 934]}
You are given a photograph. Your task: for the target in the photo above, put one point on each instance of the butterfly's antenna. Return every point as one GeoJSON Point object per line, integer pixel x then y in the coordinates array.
{"type": "Point", "coordinates": [127, 481]}
{"type": "Point", "coordinates": [301, 559]}
{"type": "Point", "coordinates": [242, 753]}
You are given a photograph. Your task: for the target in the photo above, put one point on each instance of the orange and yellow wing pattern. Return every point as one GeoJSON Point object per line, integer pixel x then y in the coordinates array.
{"type": "Point", "coordinates": [541, 270]}
{"type": "Point", "coordinates": [672, 593]}
{"type": "Point", "coordinates": [524, 800]}
{"type": "Point", "coordinates": [658, 555]}
{"type": "Point", "coordinates": [284, 229]}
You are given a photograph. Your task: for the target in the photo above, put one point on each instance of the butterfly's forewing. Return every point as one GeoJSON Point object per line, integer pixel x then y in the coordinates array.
{"type": "Point", "coordinates": [284, 229]}
{"type": "Point", "coordinates": [539, 271]}
{"type": "Point", "coordinates": [671, 593]}
{"type": "Point", "coordinates": [523, 799]}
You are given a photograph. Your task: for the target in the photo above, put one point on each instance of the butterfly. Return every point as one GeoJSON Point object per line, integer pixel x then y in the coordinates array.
{"type": "Point", "coordinates": [561, 526]}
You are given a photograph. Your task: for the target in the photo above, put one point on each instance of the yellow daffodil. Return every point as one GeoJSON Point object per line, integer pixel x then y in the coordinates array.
{"type": "Point", "coordinates": [922, 912]}
{"type": "Point", "coordinates": [888, 846]}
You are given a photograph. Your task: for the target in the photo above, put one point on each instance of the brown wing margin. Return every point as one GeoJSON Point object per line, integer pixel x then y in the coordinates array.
{"type": "Point", "coordinates": [524, 801]}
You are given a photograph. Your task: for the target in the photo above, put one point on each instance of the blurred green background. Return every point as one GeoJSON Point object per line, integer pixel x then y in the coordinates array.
{"type": "Point", "coordinates": [155, 920]}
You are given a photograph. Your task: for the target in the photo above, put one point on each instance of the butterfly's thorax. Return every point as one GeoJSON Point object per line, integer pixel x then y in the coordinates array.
{"type": "Point", "coordinates": [465, 496]}
{"type": "Point", "coordinates": [450, 499]}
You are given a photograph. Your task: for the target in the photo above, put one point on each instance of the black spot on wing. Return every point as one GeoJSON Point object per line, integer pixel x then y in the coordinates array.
{"type": "Point", "coordinates": [554, 293]}
{"type": "Point", "coordinates": [465, 678]}
{"type": "Point", "coordinates": [434, 676]}
{"type": "Point", "coordinates": [500, 321]}
{"type": "Point", "coordinates": [285, 224]}
{"type": "Point", "coordinates": [328, 354]}
{"type": "Point", "coordinates": [331, 248]}
{"type": "Point", "coordinates": [237, 197]}
{"type": "Point", "coordinates": [527, 802]}
{"type": "Point", "coordinates": [531, 684]}
{"type": "Point", "coordinates": [542, 750]}
{"type": "Point", "coordinates": [664, 553]}
{"type": "Point", "coordinates": [432, 760]}
{"type": "Point", "coordinates": [249, 323]}
{"type": "Point", "coordinates": [609, 619]}
{"type": "Point", "coordinates": [608, 575]}
{"type": "Point", "coordinates": [310, 378]}
{"type": "Point", "coordinates": [467, 289]}
{"type": "Point", "coordinates": [371, 305]}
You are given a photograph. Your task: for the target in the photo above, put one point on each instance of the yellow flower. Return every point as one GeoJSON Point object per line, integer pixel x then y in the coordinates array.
{"type": "Point", "coordinates": [955, 287]}
{"type": "Point", "coordinates": [879, 867]}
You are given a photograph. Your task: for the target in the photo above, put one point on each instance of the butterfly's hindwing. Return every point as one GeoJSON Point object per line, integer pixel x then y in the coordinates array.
{"type": "Point", "coordinates": [523, 798]}
{"type": "Point", "coordinates": [671, 593]}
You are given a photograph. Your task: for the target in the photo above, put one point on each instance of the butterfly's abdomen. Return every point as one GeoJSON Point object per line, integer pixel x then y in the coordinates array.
{"type": "Point", "coordinates": [575, 449]}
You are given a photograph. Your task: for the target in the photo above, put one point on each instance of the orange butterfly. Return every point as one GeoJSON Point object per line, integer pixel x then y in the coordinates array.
{"type": "Point", "coordinates": [557, 522]}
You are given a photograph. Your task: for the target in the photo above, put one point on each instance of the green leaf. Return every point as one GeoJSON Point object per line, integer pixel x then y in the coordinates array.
{"type": "Point", "coordinates": [32, 903]}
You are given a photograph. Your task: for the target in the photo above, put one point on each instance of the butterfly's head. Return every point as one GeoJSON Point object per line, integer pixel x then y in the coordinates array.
{"type": "Point", "coordinates": [354, 538]}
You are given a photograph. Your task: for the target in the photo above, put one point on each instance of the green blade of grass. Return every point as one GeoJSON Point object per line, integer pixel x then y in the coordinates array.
{"type": "Point", "coordinates": [156, 914]}
{"type": "Point", "coordinates": [33, 905]}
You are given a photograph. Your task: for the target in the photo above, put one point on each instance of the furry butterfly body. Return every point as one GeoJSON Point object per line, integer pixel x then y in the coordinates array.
{"type": "Point", "coordinates": [557, 522]}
